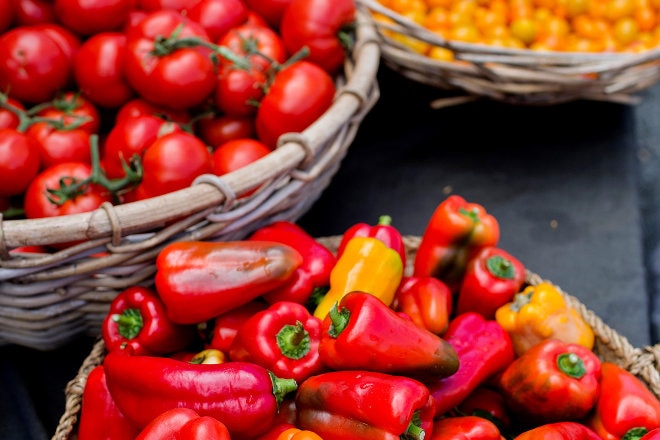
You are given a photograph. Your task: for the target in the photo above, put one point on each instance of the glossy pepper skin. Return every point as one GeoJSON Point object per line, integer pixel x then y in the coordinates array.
{"type": "Point", "coordinates": [198, 280]}
{"type": "Point", "coordinates": [225, 327]}
{"type": "Point", "coordinates": [559, 431]}
{"type": "Point", "coordinates": [298, 434]}
{"type": "Point", "coordinates": [489, 403]}
{"type": "Point", "coordinates": [383, 230]}
{"type": "Point", "coordinates": [283, 338]}
{"type": "Point", "coordinates": [100, 419]}
{"type": "Point", "coordinates": [350, 405]}
{"type": "Point", "coordinates": [465, 428]}
{"type": "Point", "coordinates": [243, 396]}
{"type": "Point", "coordinates": [491, 280]}
{"type": "Point", "coordinates": [363, 333]}
{"type": "Point", "coordinates": [653, 434]}
{"type": "Point", "coordinates": [624, 404]}
{"type": "Point", "coordinates": [317, 262]}
{"type": "Point", "coordinates": [483, 348]}
{"type": "Point", "coordinates": [540, 312]}
{"type": "Point", "coordinates": [552, 381]}
{"type": "Point", "coordinates": [456, 231]}
{"type": "Point", "coordinates": [184, 424]}
{"type": "Point", "coordinates": [137, 322]}
{"type": "Point", "coordinates": [366, 265]}
{"type": "Point", "coordinates": [426, 300]}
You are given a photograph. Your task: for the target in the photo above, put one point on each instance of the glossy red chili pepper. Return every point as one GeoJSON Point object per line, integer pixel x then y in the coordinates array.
{"type": "Point", "coordinates": [383, 230]}
{"type": "Point", "coordinates": [198, 281]}
{"type": "Point", "coordinates": [483, 348]}
{"type": "Point", "coordinates": [559, 431]}
{"type": "Point", "coordinates": [426, 300]}
{"type": "Point", "coordinates": [313, 275]}
{"type": "Point", "coordinates": [625, 404]}
{"type": "Point", "coordinates": [455, 233]}
{"type": "Point", "coordinates": [492, 278]}
{"type": "Point", "coordinates": [363, 333]}
{"type": "Point", "coordinates": [242, 395]}
{"type": "Point", "coordinates": [283, 338]}
{"type": "Point", "coordinates": [465, 428]}
{"type": "Point", "coordinates": [225, 327]}
{"type": "Point", "coordinates": [137, 322]}
{"type": "Point", "coordinates": [345, 405]}
{"type": "Point", "coordinates": [100, 419]}
{"type": "Point", "coordinates": [184, 424]}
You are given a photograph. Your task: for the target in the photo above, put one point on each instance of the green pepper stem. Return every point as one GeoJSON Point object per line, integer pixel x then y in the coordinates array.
{"type": "Point", "coordinates": [129, 322]}
{"type": "Point", "coordinates": [293, 341]}
{"type": "Point", "coordinates": [339, 318]}
{"type": "Point", "coordinates": [572, 365]}
{"type": "Point", "coordinates": [500, 267]}
{"type": "Point", "coordinates": [635, 433]}
{"type": "Point", "coordinates": [413, 432]}
{"type": "Point", "coordinates": [384, 220]}
{"type": "Point", "coordinates": [282, 387]}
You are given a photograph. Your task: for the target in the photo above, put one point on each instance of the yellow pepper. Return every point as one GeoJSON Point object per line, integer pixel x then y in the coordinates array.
{"type": "Point", "coordinates": [540, 312]}
{"type": "Point", "coordinates": [366, 265]}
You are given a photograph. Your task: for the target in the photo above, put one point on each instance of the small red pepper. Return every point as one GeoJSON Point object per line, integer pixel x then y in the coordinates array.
{"type": "Point", "coordinates": [313, 275]}
{"type": "Point", "coordinates": [200, 280]}
{"type": "Point", "coordinates": [284, 338]}
{"type": "Point", "coordinates": [184, 424]}
{"type": "Point", "coordinates": [483, 348]}
{"type": "Point", "coordinates": [492, 278]}
{"type": "Point", "coordinates": [100, 419]}
{"type": "Point", "coordinates": [455, 233]}
{"type": "Point", "coordinates": [225, 327]}
{"type": "Point", "coordinates": [465, 428]}
{"type": "Point", "coordinates": [383, 230]}
{"type": "Point", "coordinates": [363, 333]}
{"type": "Point", "coordinates": [426, 300]}
{"type": "Point", "coordinates": [559, 431]}
{"type": "Point", "coordinates": [242, 395]}
{"type": "Point", "coordinates": [552, 381]}
{"type": "Point", "coordinates": [137, 322]}
{"type": "Point", "coordinates": [345, 405]}
{"type": "Point", "coordinates": [625, 404]}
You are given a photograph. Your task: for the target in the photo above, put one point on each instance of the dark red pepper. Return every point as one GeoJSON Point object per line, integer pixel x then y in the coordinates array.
{"type": "Point", "coordinates": [383, 230]}
{"type": "Point", "coordinates": [284, 338]}
{"type": "Point", "coordinates": [184, 424]}
{"type": "Point", "coordinates": [137, 322]}
{"type": "Point", "coordinates": [363, 333]}
{"type": "Point", "coordinates": [225, 327]}
{"type": "Point", "coordinates": [488, 403]}
{"type": "Point", "coordinates": [346, 405]}
{"type": "Point", "coordinates": [312, 276]}
{"type": "Point", "coordinates": [426, 300]}
{"type": "Point", "coordinates": [491, 279]}
{"type": "Point", "coordinates": [483, 348]}
{"type": "Point", "coordinates": [465, 428]}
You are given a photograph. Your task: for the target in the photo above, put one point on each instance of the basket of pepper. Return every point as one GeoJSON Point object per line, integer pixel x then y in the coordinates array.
{"type": "Point", "coordinates": [522, 51]}
{"type": "Point", "coordinates": [73, 236]}
{"type": "Point", "coordinates": [365, 335]}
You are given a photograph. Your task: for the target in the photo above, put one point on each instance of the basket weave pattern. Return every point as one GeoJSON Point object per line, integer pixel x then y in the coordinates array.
{"type": "Point", "coordinates": [48, 299]}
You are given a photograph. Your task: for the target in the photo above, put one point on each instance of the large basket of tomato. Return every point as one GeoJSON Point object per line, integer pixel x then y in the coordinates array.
{"type": "Point", "coordinates": [534, 52]}
{"type": "Point", "coordinates": [127, 127]}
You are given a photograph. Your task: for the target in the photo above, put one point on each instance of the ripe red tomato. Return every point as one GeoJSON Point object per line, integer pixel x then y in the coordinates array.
{"type": "Point", "coordinates": [298, 96]}
{"type": "Point", "coordinates": [245, 39]}
{"type": "Point", "coordinates": [9, 118]}
{"type": "Point", "coordinates": [72, 109]}
{"type": "Point", "coordinates": [239, 91]}
{"type": "Point", "coordinates": [19, 162]}
{"type": "Point", "coordinates": [157, 5]}
{"type": "Point", "coordinates": [138, 106]}
{"type": "Point", "coordinates": [216, 130]}
{"type": "Point", "coordinates": [270, 10]}
{"type": "Point", "coordinates": [218, 16]}
{"type": "Point", "coordinates": [90, 17]}
{"type": "Point", "coordinates": [29, 12]}
{"type": "Point", "coordinates": [60, 144]}
{"type": "Point", "coordinates": [237, 153]}
{"type": "Point", "coordinates": [67, 41]}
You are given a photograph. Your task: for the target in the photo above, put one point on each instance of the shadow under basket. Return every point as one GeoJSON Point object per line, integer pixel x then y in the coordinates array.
{"type": "Point", "coordinates": [47, 300]}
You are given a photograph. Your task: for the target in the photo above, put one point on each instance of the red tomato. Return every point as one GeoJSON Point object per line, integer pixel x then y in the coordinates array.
{"type": "Point", "coordinates": [218, 16]}
{"type": "Point", "coordinates": [138, 106]}
{"type": "Point", "coordinates": [271, 10]}
{"type": "Point", "coordinates": [89, 17]}
{"type": "Point", "coordinates": [9, 118]}
{"type": "Point", "coordinates": [53, 192]}
{"type": "Point", "coordinates": [239, 91]}
{"type": "Point", "coordinates": [173, 5]}
{"type": "Point", "coordinates": [67, 41]}
{"type": "Point", "coordinates": [235, 154]}
{"type": "Point", "coordinates": [29, 12]}
{"type": "Point", "coordinates": [19, 162]}
{"type": "Point", "coordinates": [99, 69]}
{"type": "Point", "coordinates": [60, 144]}
{"type": "Point", "coordinates": [298, 96]}
{"type": "Point", "coordinates": [33, 67]}
{"type": "Point", "coordinates": [7, 16]}
{"type": "Point", "coordinates": [318, 25]}
{"type": "Point", "coordinates": [216, 130]}
{"type": "Point", "coordinates": [72, 109]}
{"type": "Point", "coordinates": [260, 44]}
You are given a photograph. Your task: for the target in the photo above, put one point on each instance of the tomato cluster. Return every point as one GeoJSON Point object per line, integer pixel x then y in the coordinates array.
{"type": "Point", "coordinates": [122, 100]}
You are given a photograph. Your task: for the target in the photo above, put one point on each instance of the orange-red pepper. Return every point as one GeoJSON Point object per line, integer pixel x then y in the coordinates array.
{"type": "Point", "coordinates": [425, 300]}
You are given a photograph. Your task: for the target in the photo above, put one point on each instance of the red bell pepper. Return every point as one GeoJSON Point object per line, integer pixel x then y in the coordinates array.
{"type": "Point", "coordinates": [383, 230]}
{"type": "Point", "coordinates": [491, 280]}
{"type": "Point", "coordinates": [349, 405]}
{"type": "Point", "coordinates": [465, 428]}
{"type": "Point", "coordinates": [225, 327]}
{"type": "Point", "coordinates": [552, 381]}
{"type": "Point", "coordinates": [137, 322]}
{"type": "Point", "coordinates": [100, 419]}
{"type": "Point", "coordinates": [483, 348]}
{"type": "Point", "coordinates": [488, 403]}
{"type": "Point", "coordinates": [201, 280]}
{"type": "Point", "coordinates": [653, 434]}
{"type": "Point", "coordinates": [313, 275]}
{"type": "Point", "coordinates": [426, 300]}
{"type": "Point", "coordinates": [242, 395]}
{"type": "Point", "coordinates": [625, 404]}
{"type": "Point", "coordinates": [559, 431]}
{"type": "Point", "coordinates": [456, 232]}
{"type": "Point", "coordinates": [184, 424]}
{"type": "Point", "coordinates": [363, 333]}
{"type": "Point", "coordinates": [283, 338]}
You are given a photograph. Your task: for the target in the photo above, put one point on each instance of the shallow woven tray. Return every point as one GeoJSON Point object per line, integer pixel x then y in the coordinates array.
{"type": "Point", "coordinates": [516, 76]}
{"type": "Point", "coordinates": [48, 299]}
{"type": "Point", "coordinates": [609, 346]}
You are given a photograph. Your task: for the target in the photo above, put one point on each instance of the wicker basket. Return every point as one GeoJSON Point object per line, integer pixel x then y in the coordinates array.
{"type": "Point", "coordinates": [609, 346]}
{"type": "Point", "coordinates": [48, 299]}
{"type": "Point", "coordinates": [516, 76]}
